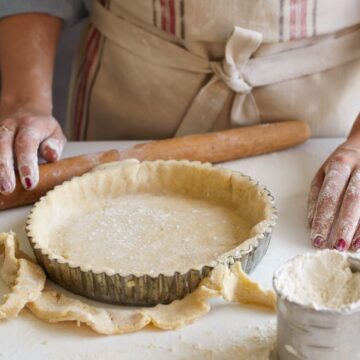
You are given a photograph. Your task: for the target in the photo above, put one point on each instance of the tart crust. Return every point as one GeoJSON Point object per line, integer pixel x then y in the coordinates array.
{"type": "Point", "coordinates": [148, 222]}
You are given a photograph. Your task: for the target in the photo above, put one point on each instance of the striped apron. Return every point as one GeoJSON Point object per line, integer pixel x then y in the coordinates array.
{"type": "Point", "coordinates": [150, 69]}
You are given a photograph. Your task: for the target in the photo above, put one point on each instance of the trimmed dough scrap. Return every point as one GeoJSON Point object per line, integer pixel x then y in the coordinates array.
{"type": "Point", "coordinates": [53, 307]}
{"type": "Point", "coordinates": [27, 280]}
{"type": "Point", "coordinates": [234, 285]}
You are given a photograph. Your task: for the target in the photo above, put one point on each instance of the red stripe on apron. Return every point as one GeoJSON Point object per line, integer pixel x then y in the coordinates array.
{"type": "Point", "coordinates": [303, 17]}
{"type": "Point", "coordinates": [76, 110]}
{"type": "Point", "coordinates": [172, 16]}
{"type": "Point", "coordinates": [163, 15]}
{"type": "Point", "coordinates": [90, 56]}
{"type": "Point", "coordinates": [91, 80]}
{"type": "Point", "coordinates": [293, 19]}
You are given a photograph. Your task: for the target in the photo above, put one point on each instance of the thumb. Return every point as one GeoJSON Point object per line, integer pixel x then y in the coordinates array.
{"type": "Point", "coordinates": [52, 147]}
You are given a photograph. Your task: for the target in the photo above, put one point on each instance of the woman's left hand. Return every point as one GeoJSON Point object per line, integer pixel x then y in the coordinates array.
{"type": "Point", "coordinates": [334, 198]}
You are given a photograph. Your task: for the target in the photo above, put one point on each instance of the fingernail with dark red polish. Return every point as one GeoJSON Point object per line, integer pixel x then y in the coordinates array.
{"type": "Point", "coordinates": [28, 183]}
{"type": "Point", "coordinates": [319, 242]}
{"type": "Point", "coordinates": [5, 187]}
{"type": "Point", "coordinates": [356, 244]}
{"type": "Point", "coordinates": [340, 245]}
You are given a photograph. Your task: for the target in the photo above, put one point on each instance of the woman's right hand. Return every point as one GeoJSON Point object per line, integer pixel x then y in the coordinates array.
{"type": "Point", "coordinates": [24, 136]}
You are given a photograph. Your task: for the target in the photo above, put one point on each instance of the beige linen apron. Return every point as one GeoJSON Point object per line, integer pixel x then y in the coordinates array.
{"type": "Point", "coordinates": [160, 68]}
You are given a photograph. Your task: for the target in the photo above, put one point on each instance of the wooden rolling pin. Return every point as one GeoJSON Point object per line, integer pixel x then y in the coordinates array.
{"type": "Point", "coordinates": [212, 147]}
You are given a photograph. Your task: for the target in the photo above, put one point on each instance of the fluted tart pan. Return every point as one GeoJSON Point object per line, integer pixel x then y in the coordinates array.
{"type": "Point", "coordinates": [144, 233]}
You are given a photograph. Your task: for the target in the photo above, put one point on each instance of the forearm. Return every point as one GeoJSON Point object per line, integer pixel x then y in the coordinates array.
{"type": "Point", "coordinates": [27, 51]}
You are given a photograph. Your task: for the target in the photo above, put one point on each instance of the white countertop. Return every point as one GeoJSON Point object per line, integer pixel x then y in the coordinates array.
{"type": "Point", "coordinates": [286, 174]}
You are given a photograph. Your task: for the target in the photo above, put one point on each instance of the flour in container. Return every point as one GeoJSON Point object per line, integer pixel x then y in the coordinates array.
{"type": "Point", "coordinates": [322, 280]}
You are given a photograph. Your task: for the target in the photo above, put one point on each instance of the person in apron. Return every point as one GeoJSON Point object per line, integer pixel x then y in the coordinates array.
{"type": "Point", "coordinates": [150, 69]}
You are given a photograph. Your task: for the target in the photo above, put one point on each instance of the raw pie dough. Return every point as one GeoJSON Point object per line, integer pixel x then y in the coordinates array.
{"type": "Point", "coordinates": [25, 279]}
{"type": "Point", "coordinates": [27, 288]}
{"type": "Point", "coordinates": [150, 217]}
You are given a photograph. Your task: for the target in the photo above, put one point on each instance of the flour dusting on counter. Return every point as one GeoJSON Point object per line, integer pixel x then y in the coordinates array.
{"type": "Point", "coordinates": [322, 281]}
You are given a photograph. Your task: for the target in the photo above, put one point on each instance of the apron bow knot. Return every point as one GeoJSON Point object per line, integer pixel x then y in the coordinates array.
{"type": "Point", "coordinates": [239, 49]}
{"type": "Point", "coordinates": [231, 76]}
{"type": "Point", "coordinates": [228, 75]}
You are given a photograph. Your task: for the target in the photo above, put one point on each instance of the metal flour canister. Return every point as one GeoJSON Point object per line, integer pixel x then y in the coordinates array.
{"type": "Point", "coordinates": [314, 333]}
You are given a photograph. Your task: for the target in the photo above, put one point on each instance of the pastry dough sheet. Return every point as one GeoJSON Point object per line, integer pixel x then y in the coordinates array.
{"type": "Point", "coordinates": [27, 288]}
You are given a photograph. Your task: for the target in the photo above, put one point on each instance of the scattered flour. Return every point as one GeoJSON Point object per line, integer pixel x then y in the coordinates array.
{"type": "Point", "coordinates": [255, 346]}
